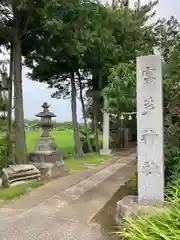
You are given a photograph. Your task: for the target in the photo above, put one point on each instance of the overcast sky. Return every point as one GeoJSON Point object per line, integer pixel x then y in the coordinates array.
{"type": "Point", "coordinates": [35, 93]}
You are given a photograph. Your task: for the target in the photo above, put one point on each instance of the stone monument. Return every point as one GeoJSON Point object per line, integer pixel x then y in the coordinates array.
{"type": "Point", "coordinates": [150, 139]}
{"type": "Point", "coordinates": [150, 130]}
{"type": "Point", "coordinates": [45, 150]}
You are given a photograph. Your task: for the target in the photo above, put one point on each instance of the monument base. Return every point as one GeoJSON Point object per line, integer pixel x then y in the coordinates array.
{"type": "Point", "coordinates": [105, 151]}
{"type": "Point", "coordinates": [50, 170]}
{"type": "Point", "coordinates": [128, 207]}
{"type": "Point", "coordinates": [46, 156]}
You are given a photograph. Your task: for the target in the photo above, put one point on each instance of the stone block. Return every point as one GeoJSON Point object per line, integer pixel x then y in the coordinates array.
{"type": "Point", "coordinates": [19, 173]}
{"type": "Point", "coordinates": [50, 170]}
{"type": "Point", "coordinates": [47, 157]}
{"type": "Point", "coordinates": [105, 152]}
{"type": "Point", "coordinates": [128, 207]}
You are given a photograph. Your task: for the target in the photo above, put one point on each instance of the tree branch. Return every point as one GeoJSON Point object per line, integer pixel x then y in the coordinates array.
{"type": "Point", "coordinates": [25, 27]}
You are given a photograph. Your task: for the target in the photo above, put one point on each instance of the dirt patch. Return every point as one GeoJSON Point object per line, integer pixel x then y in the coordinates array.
{"type": "Point", "coordinates": [57, 174]}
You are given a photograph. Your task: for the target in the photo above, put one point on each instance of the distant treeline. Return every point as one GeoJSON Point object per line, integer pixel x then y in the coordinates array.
{"type": "Point", "coordinates": [57, 125]}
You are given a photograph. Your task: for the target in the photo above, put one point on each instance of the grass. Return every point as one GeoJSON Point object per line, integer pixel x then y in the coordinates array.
{"type": "Point", "coordinates": [162, 224]}
{"type": "Point", "coordinates": [63, 139]}
{"type": "Point", "coordinates": [15, 192]}
{"type": "Point", "coordinates": [132, 184]}
{"type": "Point", "coordinates": [78, 164]}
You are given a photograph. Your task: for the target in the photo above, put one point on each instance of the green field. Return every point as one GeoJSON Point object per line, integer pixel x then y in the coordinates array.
{"type": "Point", "coordinates": [65, 142]}
{"type": "Point", "coordinates": [63, 139]}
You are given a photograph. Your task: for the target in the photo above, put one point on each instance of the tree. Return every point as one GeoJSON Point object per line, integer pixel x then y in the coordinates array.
{"type": "Point", "coordinates": [122, 83]}
{"type": "Point", "coordinates": [20, 19]}
{"type": "Point", "coordinates": [78, 45]}
{"type": "Point", "coordinates": [56, 65]}
{"type": "Point", "coordinates": [82, 77]}
{"type": "Point", "coordinates": [167, 33]}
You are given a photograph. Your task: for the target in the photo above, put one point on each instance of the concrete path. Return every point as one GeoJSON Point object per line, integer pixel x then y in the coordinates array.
{"type": "Point", "coordinates": [64, 209]}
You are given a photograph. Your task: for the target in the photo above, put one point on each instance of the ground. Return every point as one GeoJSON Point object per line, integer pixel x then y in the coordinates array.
{"type": "Point", "coordinates": [65, 142]}
{"type": "Point", "coordinates": [64, 209]}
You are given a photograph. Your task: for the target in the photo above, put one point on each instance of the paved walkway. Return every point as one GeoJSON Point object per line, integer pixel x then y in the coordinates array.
{"type": "Point", "coordinates": [64, 208]}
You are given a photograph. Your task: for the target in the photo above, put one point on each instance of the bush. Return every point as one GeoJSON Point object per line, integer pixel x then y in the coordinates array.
{"type": "Point", "coordinates": [165, 224]}
{"type": "Point", "coordinates": [84, 142]}
{"type": "Point", "coordinates": [172, 164]}
{"type": "Point", "coordinates": [92, 141]}
{"type": "Point", "coordinates": [172, 150]}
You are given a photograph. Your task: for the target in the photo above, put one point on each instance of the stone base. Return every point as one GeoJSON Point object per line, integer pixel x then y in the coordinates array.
{"type": "Point", "coordinates": [46, 157]}
{"type": "Point", "coordinates": [128, 207]}
{"type": "Point", "coordinates": [49, 170]}
{"type": "Point", "coordinates": [105, 152]}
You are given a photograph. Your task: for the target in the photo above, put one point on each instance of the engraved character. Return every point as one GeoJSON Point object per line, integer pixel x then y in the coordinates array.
{"type": "Point", "coordinates": [149, 75]}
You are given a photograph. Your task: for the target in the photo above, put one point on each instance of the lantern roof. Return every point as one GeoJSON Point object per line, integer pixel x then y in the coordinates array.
{"type": "Point", "coordinates": [45, 112]}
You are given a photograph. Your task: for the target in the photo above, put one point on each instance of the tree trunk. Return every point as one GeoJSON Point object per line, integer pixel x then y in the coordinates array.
{"type": "Point", "coordinates": [9, 115]}
{"type": "Point", "coordinates": [78, 148]}
{"type": "Point", "coordinates": [20, 144]}
{"type": "Point", "coordinates": [84, 113]}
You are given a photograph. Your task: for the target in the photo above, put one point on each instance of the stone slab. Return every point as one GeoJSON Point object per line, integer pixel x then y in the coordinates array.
{"type": "Point", "coordinates": [49, 170]}
{"type": "Point", "coordinates": [128, 207]}
{"type": "Point", "coordinates": [150, 130]}
{"type": "Point", "coordinates": [105, 152]}
{"type": "Point", "coordinates": [19, 173]}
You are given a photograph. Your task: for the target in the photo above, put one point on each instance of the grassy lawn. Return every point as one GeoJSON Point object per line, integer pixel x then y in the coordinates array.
{"type": "Point", "coordinates": [63, 139]}
{"type": "Point", "coordinates": [15, 192]}
{"type": "Point", "coordinates": [85, 162]}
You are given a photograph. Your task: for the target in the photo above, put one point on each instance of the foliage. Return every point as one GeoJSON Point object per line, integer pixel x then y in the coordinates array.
{"type": "Point", "coordinates": [4, 160]}
{"type": "Point", "coordinates": [132, 25]}
{"type": "Point", "coordinates": [167, 33]}
{"type": "Point", "coordinates": [57, 55]}
{"type": "Point", "coordinates": [3, 150]}
{"type": "Point", "coordinates": [122, 83]}
{"type": "Point", "coordinates": [172, 120]}
{"type": "Point", "coordinates": [163, 224]}
{"type": "Point", "coordinates": [84, 142]}
{"type": "Point", "coordinates": [172, 164]}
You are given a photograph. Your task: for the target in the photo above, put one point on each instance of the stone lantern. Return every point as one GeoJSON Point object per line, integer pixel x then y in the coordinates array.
{"type": "Point", "coordinates": [46, 122]}
{"type": "Point", "coordinates": [45, 150]}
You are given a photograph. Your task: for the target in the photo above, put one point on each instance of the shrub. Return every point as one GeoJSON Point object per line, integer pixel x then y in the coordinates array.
{"type": "Point", "coordinates": [172, 164]}
{"type": "Point", "coordinates": [172, 149]}
{"type": "Point", "coordinates": [84, 142]}
{"type": "Point", "coordinates": [164, 225]}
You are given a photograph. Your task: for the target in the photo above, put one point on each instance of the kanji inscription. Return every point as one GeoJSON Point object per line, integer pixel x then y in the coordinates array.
{"type": "Point", "coordinates": [148, 105]}
{"type": "Point", "coordinates": [149, 75]}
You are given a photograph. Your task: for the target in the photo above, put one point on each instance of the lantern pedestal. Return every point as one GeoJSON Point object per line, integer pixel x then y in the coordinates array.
{"type": "Point", "coordinates": [45, 151]}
